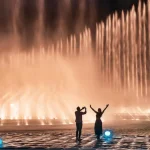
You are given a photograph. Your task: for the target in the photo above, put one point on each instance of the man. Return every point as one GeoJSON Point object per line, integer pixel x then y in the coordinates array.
{"type": "Point", "coordinates": [78, 121]}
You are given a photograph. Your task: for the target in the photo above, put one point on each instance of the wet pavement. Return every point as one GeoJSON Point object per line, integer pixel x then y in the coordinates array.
{"type": "Point", "coordinates": [137, 137]}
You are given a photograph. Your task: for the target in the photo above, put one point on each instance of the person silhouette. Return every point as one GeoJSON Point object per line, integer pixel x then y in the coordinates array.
{"type": "Point", "coordinates": [98, 123]}
{"type": "Point", "coordinates": [78, 115]}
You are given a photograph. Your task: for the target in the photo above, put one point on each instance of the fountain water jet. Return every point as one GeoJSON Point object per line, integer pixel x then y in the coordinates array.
{"type": "Point", "coordinates": [48, 83]}
{"type": "Point", "coordinates": [125, 52]}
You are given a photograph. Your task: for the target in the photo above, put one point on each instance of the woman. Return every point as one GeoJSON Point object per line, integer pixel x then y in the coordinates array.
{"type": "Point", "coordinates": [98, 122]}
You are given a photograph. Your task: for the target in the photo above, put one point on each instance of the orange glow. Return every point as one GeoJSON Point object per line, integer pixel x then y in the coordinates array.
{"type": "Point", "coordinates": [49, 82]}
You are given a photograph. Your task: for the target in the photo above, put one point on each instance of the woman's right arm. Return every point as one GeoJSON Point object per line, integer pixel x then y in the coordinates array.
{"type": "Point", "coordinates": [93, 109]}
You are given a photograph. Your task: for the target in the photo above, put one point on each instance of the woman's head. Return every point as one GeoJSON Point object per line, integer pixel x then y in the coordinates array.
{"type": "Point", "coordinates": [99, 110]}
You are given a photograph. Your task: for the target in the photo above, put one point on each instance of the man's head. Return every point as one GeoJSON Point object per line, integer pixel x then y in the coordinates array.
{"type": "Point", "coordinates": [78, 108]}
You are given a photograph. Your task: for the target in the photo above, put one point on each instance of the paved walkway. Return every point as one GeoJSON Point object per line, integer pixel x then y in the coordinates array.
{"type": "Point", "coordinates": [127, 135]}
{"type": "Point", "coordinates": [63, 139]}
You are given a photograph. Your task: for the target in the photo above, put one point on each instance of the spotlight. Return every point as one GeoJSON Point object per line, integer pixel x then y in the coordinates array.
{"type": "Point", "coordinates": [108, 135]}
{"type": "Point", "coordinates": [1, 143]}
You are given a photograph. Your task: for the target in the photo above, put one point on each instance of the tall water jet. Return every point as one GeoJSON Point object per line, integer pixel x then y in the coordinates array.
{"type": "Point", "coordinates": [15, 20]}
{"type": "Point", "coordinates": [40, 24]}
{"type": "Point", "coordinates": [80, 18]}
{"type": "Point", "coordinates": [125, 51]}
{"type": "Point", "coordinates": [70, 72]}
{"type": "Point", "coordinates": [64, 12]}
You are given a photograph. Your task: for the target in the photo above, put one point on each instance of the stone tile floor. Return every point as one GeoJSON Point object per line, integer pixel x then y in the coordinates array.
{"type": "Point", "coordinates": [61, 139]}
{"type": "Point", "coordinates": [135, 138]}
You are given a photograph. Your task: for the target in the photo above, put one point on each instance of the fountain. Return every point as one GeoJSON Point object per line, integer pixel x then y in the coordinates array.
{"type": "Point", "coordinates": [45, 84]}
{"type": "Point", "coordinates": [123, 53]}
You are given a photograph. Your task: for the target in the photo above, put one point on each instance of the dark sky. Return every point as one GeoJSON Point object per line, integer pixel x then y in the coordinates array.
{"type": "Point", "coordinates": [74, 19]}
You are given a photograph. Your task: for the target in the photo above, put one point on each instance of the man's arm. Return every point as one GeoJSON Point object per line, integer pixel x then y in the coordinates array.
{"type": "Point", "coordinates": [83, 113]}
{"type": "Point", "coordinates": [82, 108]}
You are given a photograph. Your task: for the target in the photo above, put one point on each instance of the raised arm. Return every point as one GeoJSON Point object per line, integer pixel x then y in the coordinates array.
{"type": "Point", "coordinates": [93, 109]}
{"type": "Point", "coordinates": [105, 108]}
{"type": "Point", "coordinates": [82, 108]}
{"type": "Point", "coordinates": [83, 113]}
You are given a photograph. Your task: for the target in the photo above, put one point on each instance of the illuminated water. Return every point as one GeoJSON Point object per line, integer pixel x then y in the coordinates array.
{"type": "Point", "coordinates": [124, 54]}
{"type": "Point", "coordinates": [50, 82]}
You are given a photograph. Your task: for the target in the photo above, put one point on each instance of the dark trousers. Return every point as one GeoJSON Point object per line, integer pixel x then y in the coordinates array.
{"type": "Point", "coordinates": [78, 130]}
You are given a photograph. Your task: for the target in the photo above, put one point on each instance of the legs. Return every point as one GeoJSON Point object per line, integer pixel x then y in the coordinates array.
{"type": "Point", "coordinates": [97, 134]}
{"type": "Point", "coordinates": [98, 129]}
{"type": "Point", "coordinates": [76, 134]}
{"type": "Point", "coordinates": [78, 130]}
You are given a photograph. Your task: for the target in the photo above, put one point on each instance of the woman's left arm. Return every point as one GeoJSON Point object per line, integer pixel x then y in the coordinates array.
{"type": "Point", "coordinates": [105, 108]}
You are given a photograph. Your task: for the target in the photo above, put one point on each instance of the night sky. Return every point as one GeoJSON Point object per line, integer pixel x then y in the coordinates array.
{"type": "Point", "coordinates": [54, 11]}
